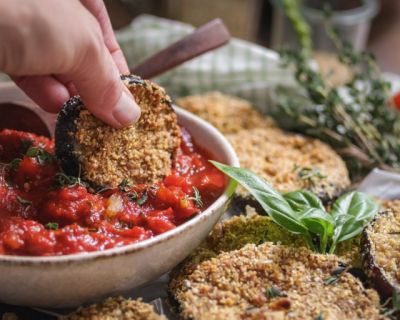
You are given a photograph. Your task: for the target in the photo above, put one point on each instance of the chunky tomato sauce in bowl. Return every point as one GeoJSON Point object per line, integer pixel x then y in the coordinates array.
{"type": "Point", "coordinates": [43, 212]}
{"type": "Point", "coordinates": [63, 243]}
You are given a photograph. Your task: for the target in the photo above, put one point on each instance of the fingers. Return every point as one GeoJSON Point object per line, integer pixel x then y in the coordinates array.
{"type": "Point", "coordinates": [46, 91]}
{"type": "Point", "coordinates": [97, 79]}
{"type": "Point", "coordinates": [98, 9]}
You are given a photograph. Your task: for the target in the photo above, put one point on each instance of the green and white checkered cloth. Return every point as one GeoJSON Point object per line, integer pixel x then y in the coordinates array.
{"type": "Point", "coordinates": [240, 68]}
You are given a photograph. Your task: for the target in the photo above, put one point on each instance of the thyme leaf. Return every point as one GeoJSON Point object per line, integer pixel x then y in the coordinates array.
{"type": "Point", "coordinates": [141, 201]}
{"type": "Point", "coordinates": [51, 226]}
{"type": "Point", "coordinates": [63, 180]}
{"type": "Point", "coordinates": [23, 201]}
{"type": "Point", "coordinates": [274, 292]}
{"type": "Point", "coordinates": [14, 164]}
{"type": "Point", "coordinates": [42, 156]}
{"type": "Point", "coordinates": [125, 185]}
{"type": "Point", "coordinates": [196, 197]}
{"type": "Point", "coordinates": [133, 196]}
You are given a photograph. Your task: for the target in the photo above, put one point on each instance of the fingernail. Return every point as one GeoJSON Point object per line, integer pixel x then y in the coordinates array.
{"type": "Point", "coordinates": [126, 111]}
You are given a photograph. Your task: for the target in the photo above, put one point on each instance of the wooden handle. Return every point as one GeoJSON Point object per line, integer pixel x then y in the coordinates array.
{"type": "Point", "coordinates": [208, 37]}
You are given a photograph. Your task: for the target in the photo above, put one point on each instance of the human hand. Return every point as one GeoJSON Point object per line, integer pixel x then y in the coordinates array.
{"type": "Point", "coordinates": [56, 49]}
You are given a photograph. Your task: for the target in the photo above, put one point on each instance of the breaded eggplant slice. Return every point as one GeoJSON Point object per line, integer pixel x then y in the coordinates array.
{"type": "Point", "coordinates": [290, 162]}
{"type": "Point", "coordinates": [252, 228]}
{"type": "Point", "coordinates": [381, 249]}
{"type": "Point", "coordinates": [227, 113]}
{"type": "Point", "coordinates": [105, 156]}
{"type": "Point", "coordinates": [232, 234]}
{"type": "Point", "coordinates": [274, 282]}
{"type": "Point", "coordinates": [116, 309]}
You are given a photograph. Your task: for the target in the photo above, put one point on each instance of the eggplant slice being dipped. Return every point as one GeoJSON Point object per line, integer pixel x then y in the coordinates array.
{"type": "Point", "coordinates": [104, 156]}
{"type": "Point", "coordinates": [381, 249]}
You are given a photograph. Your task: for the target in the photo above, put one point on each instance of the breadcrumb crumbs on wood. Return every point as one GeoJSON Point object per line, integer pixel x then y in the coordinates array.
{"type": "Point", "coordinates": [116, 309]}
{"type": "Point", "coordinates": [227, 113]}
{"type": "Point", "coordinates": [384, 239]}
{"type": "Point", "coordinates": [140, 153]}
{"type": "Point", "coordinates": [290, 162]}
{"type": "Point", "coordinates": [233, 285]}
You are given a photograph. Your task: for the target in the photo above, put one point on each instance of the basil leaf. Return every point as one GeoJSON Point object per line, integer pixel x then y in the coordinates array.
{"type": "Point", "coordinates": [349, 229]}
{"type": "Point", "coordinates": [301, 200]}
{"type": "Point", "coordinates": [318, 221]}
{"type": "Point", "coordinates": [352, 212]}
{"type": "Point", "coordinates": [271, 201]}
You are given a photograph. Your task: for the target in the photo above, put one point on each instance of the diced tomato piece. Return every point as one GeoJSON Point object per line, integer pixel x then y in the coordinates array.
{"type": "Point", "coordinates": [159, 224]}
{"type": "Point", "coordinates": [165, 214]}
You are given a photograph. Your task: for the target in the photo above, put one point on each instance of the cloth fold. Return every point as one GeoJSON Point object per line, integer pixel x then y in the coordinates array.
{"type": "Point", "coordinates": [240, 68]}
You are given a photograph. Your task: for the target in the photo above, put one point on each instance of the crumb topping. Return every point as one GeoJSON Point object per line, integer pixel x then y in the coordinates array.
{"type": "Point", "coordinates": [116, 309]}
{"type": "Point", "coordinates": [227, 113]}
{"type": "Point", "coordinates": [252, 228]}
{"type": "Point", "coordinates": [384, 236]}
{"type": "Point", "coordinates": [237, 285]}
{"type": "Point", "coordinates": [290, 161]}
{"type": "Point", "coordinates": [141, 153]}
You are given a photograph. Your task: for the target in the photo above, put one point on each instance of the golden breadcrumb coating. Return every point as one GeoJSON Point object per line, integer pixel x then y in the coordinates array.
{"type": "Point", "coordinates": [251, 228]}
{"type": "Point", "coordinates": [238, 285]}
{"type": "Point", "coordinates": [116, 309]}
{"type": "Point", "coordinates": [227, 113]}
{"type": "Point", "coordinates": [141, 153]}
{"type": "Point", "coordinates": [290, 161]}
{"type": "Point", "coordinates": [384, 238]}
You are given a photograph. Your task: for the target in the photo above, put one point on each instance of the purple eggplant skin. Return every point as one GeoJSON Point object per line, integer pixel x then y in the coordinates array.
{"type": "Point", "coordinates": [375, 273]}
{"type": "Point", "coordinates": [66, 145]}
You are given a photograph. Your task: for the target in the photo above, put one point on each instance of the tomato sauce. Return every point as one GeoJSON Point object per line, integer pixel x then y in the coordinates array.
{"type": "Point", "coordinates": [44, 212]}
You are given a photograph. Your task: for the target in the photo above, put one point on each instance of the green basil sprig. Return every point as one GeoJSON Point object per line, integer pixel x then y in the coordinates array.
{"type": "Point", "coordinates": [302, 212]}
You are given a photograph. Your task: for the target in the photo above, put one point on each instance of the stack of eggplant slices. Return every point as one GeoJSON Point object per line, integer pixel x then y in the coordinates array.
{"type": "Point", "coordinates": [297, 243]}
{"type": "Point", "coordinates": [300, 246]}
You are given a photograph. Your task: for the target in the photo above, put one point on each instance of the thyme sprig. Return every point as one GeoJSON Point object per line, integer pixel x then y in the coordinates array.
{"type": "Point", "coordinates": [309, 175]}
{"type": "Point", "coordinates": [356, 119]}
{"type": "Point", "coordinates": [51, 226]}
{"type": "Point", "coordinates": [335, 275]}
{"type": "Point", "coordinates": [63, 180]}
{"type": "Point", "coordinates": [23, 201]}
{"type": "Point", "coordinates": [196, 198]}
{"type": "Point", "coordinates": [125, 185]}
{"type": "Point", "coordinates": [274, 292]}
{"type": "Point", "coordinates": [42, 156]}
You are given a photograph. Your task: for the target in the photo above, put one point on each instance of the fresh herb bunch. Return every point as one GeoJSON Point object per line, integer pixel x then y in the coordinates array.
{"type": "Point", "coordinates": [356, 119]}
{"type": "Point", "coordinates": [302, 212]}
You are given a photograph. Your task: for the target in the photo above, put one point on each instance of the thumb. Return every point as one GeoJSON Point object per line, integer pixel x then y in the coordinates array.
{"type": "Point", "coordinates": [98, 82]}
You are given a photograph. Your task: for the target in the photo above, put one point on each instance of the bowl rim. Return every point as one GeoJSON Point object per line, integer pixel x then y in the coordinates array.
{"type": "Point", "coordinates": [141, 245]}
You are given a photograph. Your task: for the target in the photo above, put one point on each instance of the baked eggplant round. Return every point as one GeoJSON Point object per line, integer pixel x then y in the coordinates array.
{"type": "Point", "coordinates": [116, 308]}
{"type": "Point", "coordinates": [272, 281]}
{"type": "Point", "coordinates": [142, 153]}
{"type": "Point", "coordinates": [380, 246]}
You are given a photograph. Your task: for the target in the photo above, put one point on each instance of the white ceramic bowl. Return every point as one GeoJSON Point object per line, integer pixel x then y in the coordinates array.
{"type": "Point", "coordinates": [65, 281]}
